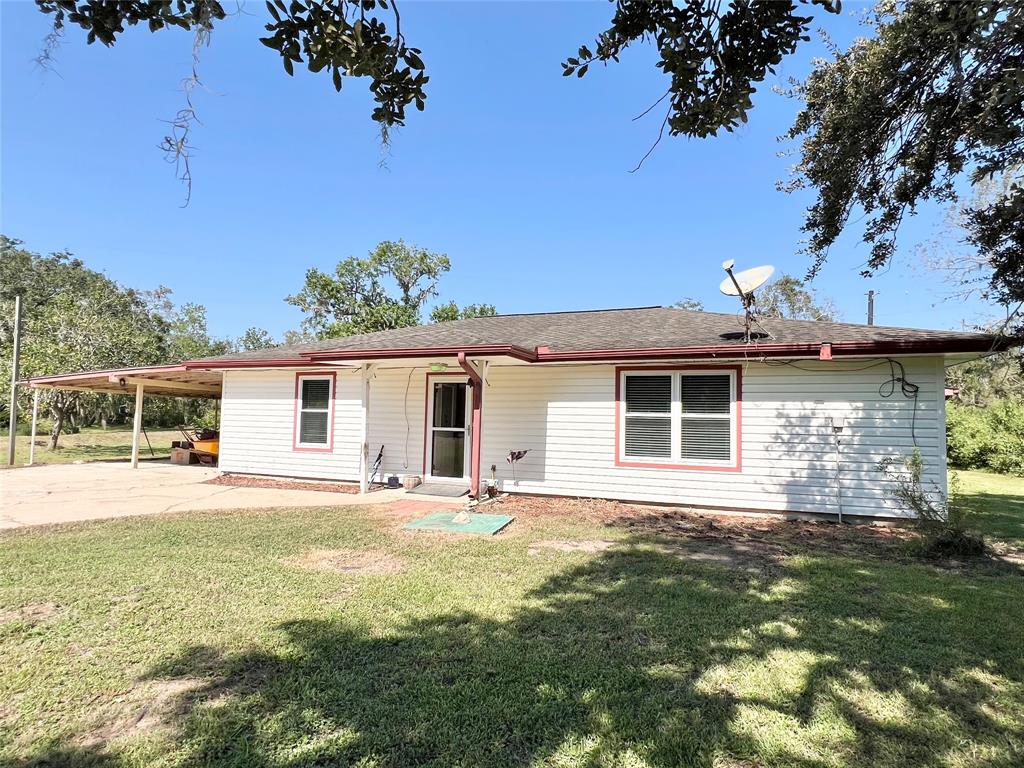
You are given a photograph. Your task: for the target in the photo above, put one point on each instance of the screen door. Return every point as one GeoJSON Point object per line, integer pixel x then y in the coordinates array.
{"type": "Point", "coordinates": [448, 429]}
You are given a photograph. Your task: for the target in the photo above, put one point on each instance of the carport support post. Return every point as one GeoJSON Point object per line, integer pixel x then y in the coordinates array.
{"type": "Point", "coordinates": [364, 448]}
{"type": "Point", "coordinates": [13, 425]}
{"type": "Point", "coordinates": [35, 421]}
{"type": "Point", "coordinates": [137, 425]}
{"type": "Point", "coordinates": [476, 384]}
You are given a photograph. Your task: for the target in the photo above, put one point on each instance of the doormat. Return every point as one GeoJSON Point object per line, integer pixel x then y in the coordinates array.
{"type": "Point", "coordinates": [475, 522]}
{"type": "Point", "coordinates": [440, 489]}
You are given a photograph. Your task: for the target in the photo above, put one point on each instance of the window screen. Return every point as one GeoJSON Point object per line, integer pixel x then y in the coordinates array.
{"type": "Point", "coordinates": [649, 416]}
{"type": "Point", "coordinates": [706, 424]}
{"type": "Point", "coordinates": [314, 411]}
{"type": "Point", "coordinates": [687, 418]}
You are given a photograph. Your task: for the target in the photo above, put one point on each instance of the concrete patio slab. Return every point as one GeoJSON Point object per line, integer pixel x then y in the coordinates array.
{"type": "Point", "coordinates": [61, 493]}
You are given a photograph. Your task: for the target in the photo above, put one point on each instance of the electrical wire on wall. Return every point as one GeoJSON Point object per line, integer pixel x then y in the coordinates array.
{"type": "Point", "coordinates": [405, 409]}
{"type": "Point", "coordinates": [886, 389]}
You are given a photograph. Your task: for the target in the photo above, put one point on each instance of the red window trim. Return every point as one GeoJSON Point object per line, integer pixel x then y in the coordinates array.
{"type": "Point", "coordinates": [426, 408]}
{"type": "Point", "coordinates": [737, 467]}
{"type": "Point", "coordinates": [299, 376]}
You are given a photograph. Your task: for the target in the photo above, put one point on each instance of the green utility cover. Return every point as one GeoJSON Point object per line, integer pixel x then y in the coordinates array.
{"type": "Point", "coordinates": [487, 525]}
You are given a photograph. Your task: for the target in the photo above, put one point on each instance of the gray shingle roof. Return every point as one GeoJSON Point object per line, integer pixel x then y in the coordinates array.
{"type": "Point", "coordinates": [617, 329]}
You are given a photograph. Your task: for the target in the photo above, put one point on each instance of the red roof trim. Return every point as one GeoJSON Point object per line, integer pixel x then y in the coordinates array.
{"type": "Point", "coordinates": [756, 351]}
{"type": "Point", "coordinates": [104, 374]}
{"type": "Point", "coordinates": [509, 350]}
{"type": "Point", "coordinates": [201, 365]}
{"type": "Point", "coordinates": [544, 354]}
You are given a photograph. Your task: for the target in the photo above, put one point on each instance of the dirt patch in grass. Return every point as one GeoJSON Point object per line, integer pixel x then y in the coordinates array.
{"type": "Point", "coordinates": [351, 561]}
{"type": "Point", "coordinates": [258, 481]}
{"type": "Point", "coordinates": [751, 536]}
{"type": "Point", "coordinates": [34, 613]}
{"type": "Point", "coordinates": [144, 709]}
{"type": "Point", "coordinates": [588, 546]}
{"type": "Point", "coordinates": [745, 541]}
{"type": "Point", "coordinates": [776, 535]}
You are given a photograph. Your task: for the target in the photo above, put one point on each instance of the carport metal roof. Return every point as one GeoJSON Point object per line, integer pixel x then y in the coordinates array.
{"type": "Point", "coordinates": [161, 380]}
{"type": "Point", "coordinates": [166, 380]}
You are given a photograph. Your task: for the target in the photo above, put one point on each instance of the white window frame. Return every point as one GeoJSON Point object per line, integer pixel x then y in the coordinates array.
{"type": "Point", "coordinates": [467, 430]}
{"type": "Point", "coordinates": [676, 415]}
{"type": "Point", "coordinates": [299, 411]}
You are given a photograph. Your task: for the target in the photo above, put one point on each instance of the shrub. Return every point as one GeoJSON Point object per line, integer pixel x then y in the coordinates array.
{"type": "Point", "coordinates": [1007, 419]}
{"type": "Point", "coordinates": [989, 437]}
{"type": "Point", "coordinates": [943, 522]}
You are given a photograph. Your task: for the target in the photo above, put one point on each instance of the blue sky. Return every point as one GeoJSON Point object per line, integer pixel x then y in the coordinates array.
{"type": "Point", "coordinates": [520, 175]}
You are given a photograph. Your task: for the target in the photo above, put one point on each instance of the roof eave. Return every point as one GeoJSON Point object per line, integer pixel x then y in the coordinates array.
{"type": "Point", "coordinates": [980, 345]}
{"type": "Point", "coordinates": [755, 351]}
{"type": "Point", "coordinates": [216, 365]}
{"type": "Point", "coordinates": [508, 350]}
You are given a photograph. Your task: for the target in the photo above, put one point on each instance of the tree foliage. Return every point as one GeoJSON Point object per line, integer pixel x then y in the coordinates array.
{"type": "Point", "coordinates": [691, 304]}
{"type": "Point", "coordinates": [444, 313]}
{"type": "Point", "coordinates": [987, 438]}
{"type": "Point", "coordinates": [78, 319]}
{"type": "Point", "coordinates": [714, 56]}
{"type": "Point", "coordinates": [934, 96]}
{"type": "Point", "coordinates": [983, 381]}
{"type": "Point", "coordinates": [74, 319]}
{"type": "Point", "coordinates": [789, 297]}
{"type": "Point", "coordinates": [254, 339]}
{"type": "Point", "coordinates": [346, 38]}
{"type": "Point", "coordinates": [359, 297]}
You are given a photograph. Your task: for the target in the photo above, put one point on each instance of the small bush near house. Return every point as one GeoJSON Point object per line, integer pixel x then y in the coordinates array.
{"type": "Point", "coordinates": [989, 437]}
{"type": "Point", "coordinates": [943, 521]}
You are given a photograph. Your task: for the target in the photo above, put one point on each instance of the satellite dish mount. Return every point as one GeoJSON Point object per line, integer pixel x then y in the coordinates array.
{"type": "Point", "coordinates": [743, 284]}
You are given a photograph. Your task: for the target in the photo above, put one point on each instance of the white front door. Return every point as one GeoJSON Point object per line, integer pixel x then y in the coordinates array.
{"type": "Point", "coordinates": [447, 434]}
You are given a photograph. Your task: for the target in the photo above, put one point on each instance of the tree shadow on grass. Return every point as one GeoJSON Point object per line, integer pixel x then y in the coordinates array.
{"type": "Point", "coordinates": [1001, 516]}
{"type": "Point", "coordinates": [637, 656]}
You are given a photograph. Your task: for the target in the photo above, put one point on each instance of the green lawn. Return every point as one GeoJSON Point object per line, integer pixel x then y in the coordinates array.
{"type": "Point", "coordinates": [91, 444]}
{"type": "Point", "coordinates": [998, 503]}
{"type": "Point", "coordinates": [194, 640]}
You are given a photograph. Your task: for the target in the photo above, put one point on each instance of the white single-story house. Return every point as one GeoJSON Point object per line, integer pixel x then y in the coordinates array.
{"type": "Point", "coordinates": [648, 404]}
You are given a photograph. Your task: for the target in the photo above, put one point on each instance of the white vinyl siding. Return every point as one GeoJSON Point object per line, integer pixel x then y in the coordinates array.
{"type": "Point", "coordinates": [314, 411]}
{"type": "Point", "coordinates": [678, 417]}
{"type": "Point", "coordinates": [257, 427]}
{"type": "Point", "coordinates": [565, 416]}
{"type": "Point", "coordinates": [396, 419]}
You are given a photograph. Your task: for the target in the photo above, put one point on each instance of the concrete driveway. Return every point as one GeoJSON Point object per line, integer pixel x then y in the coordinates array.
{"type": "Point", "coordinates": [61, 493]}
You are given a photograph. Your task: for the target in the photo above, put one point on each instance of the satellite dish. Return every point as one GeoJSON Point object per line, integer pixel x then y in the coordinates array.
{"type": "Point", "coordinates": [745, 282]}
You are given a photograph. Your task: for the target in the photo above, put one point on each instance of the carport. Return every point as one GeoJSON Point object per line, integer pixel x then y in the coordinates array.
{"type": "Point", "coordinates": [158, 380]}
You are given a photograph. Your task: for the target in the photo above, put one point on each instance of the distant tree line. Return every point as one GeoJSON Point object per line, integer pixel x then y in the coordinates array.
{"type": "Point", "coordinates": [77, 319]}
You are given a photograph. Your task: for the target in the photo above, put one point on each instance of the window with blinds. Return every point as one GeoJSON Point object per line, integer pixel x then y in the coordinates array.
{"type": "Point", "coordinates": [314, 412]}
{"type": "Point", "coordinates": [649, 416]}
{"type": "Point", "coordinates": [675, 417]}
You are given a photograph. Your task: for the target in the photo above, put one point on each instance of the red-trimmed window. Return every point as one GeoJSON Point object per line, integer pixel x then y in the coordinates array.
{"type": "Point", "coordinates": [679, 418]}
{"type": "Point", "coordinates": [314, 412]}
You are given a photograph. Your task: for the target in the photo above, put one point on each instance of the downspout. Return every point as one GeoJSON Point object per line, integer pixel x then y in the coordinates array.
{"type": "Point", "coordinates": [476, 383]}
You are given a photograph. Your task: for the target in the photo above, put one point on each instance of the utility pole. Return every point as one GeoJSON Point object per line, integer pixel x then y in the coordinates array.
{"type": "Point", "coordinates": [871, 307]}
{"type": "Point", "coordinates": [13, 424]}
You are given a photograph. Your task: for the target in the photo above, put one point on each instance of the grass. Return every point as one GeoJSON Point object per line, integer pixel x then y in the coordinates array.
{"type": "Point", "coordinates": [998, 504]}
{"type": "Point", "coordinates": [193, 640]}
{"type": "Point", "coordinates": [91, 444]}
